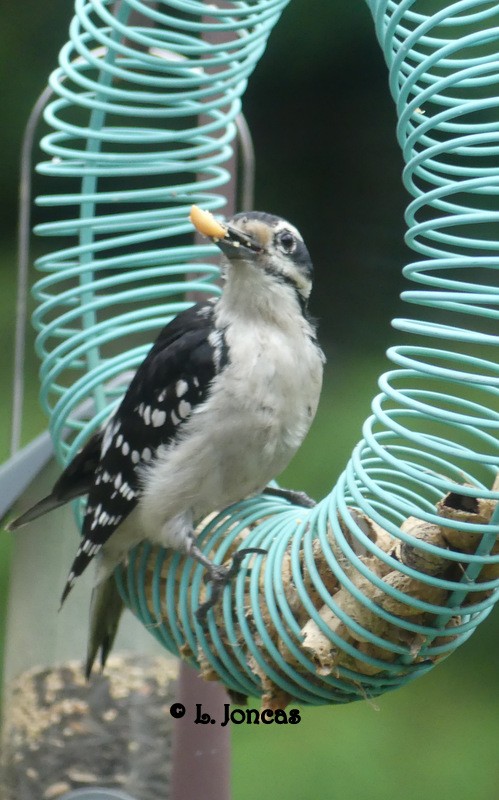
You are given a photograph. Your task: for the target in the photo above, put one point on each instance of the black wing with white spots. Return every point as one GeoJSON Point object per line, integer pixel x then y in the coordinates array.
{"type": "Point", "coordinates": [75, 481]}
{"type": "Point", "coordinates": [174, 377]}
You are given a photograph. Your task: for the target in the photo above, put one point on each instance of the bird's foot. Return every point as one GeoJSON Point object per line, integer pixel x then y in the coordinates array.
{"type": "Point", "coordinates": [291, 495]}
{"type": "Point", "coordinates": [219, 576]}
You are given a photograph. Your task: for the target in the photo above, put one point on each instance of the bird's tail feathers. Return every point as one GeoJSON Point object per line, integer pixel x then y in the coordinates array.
{"type": "Point", "coordinates": [105, 612]}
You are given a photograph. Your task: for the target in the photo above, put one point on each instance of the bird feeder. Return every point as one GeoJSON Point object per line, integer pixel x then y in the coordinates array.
{"type": "Point", "coordinates": [399, 564]}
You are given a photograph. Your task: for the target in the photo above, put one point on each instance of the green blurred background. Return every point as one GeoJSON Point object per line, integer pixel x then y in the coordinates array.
{"type": "Point", "coordinates": [323, 126]}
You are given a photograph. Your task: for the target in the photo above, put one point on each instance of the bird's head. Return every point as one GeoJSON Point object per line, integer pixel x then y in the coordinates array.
{"type": "Point", "coordinates": [262, 250]}
{"type": "Point", "coordinates": [269, 244]}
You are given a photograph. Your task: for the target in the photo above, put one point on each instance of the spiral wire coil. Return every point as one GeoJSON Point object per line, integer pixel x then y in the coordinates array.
{"type": "Point", "coordinates": [142, 128]}
{"type": "Point", "coordinates": [156, 105]}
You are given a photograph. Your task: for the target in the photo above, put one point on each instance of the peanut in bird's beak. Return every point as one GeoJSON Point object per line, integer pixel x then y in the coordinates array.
{"type": "Point", "coordinates": [227, 237]}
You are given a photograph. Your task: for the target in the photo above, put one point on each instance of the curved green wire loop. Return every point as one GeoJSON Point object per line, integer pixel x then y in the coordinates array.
{"type": "Point", "coordinates": [142, 127]}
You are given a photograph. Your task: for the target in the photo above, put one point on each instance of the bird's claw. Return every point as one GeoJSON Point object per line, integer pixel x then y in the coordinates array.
{"type": "Point", "coordinates": [238, 557]}
{"type": "Point", "coordinates": [220, 576]}
{"type": "Point", "coordinates": [302, 499]}
{"type": "Point", "coordinates": [298, 498]}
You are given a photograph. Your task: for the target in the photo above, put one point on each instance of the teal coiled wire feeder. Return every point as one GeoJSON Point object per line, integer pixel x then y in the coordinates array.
{"type": "Point", "coordinates": [399, 564]}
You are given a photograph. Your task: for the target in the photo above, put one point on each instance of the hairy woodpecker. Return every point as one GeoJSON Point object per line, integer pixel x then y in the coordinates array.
{"type": "Point", "coordinates": [215, 411]}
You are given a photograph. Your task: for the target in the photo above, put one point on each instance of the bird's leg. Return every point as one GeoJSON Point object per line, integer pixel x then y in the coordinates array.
{"type": "Point", "coordinates": [295, 497]}
{"type": "Point", "coordinates": [218, 575]}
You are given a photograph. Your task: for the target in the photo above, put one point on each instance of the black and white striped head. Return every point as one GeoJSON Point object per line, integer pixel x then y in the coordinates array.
{"type": "Point", "coordinates": [268, 244]}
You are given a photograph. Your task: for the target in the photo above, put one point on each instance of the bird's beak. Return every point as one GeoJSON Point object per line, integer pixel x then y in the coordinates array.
{"type": "Point", "coordinates": [237, 244]}
{"type": "Point", "coordinates": [234, 243]}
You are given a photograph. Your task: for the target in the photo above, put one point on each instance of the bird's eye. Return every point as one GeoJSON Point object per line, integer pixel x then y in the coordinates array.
{"type": "Point", "coordinates": [287, 241]}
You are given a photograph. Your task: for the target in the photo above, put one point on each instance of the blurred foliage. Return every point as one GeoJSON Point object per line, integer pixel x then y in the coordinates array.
{"type": "Point", "coordinates": [435, 739]}
{"type": "Point", "coordinates": [323, 126]}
